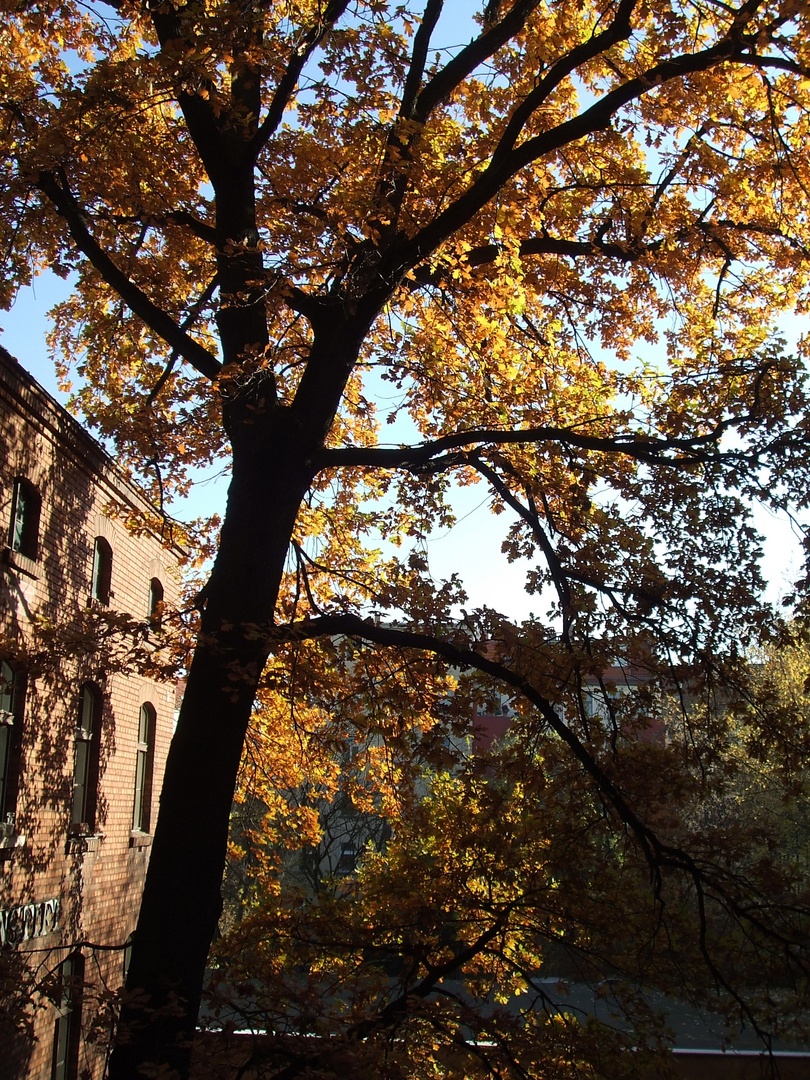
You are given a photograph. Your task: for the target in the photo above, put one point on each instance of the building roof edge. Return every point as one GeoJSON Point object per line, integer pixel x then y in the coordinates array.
{"type": "Point", "coordinates": [18, 381]}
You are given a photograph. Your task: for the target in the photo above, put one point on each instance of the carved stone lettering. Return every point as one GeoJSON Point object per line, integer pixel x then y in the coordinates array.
{"type": "Point", "coordinates": [28, 921]}
{"type": "Point", "coordinates": [50, 916]}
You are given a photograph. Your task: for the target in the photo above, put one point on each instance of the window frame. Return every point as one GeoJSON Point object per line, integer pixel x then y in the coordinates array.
{"type": "Point", "coordinates": [101, 575]}
{"type": "Point", "coordinates": [155, 602]}
{"type": "Point", "coordinates": [26, 509]}
{"type": "Point", "coordinates": [87, 743]}
{"type": "Point", "coordinates": [67, 1024]}
{"type": "Point", "coordinates": [12, 703]}
{"type": "Point", "coordinates": [144, 768]}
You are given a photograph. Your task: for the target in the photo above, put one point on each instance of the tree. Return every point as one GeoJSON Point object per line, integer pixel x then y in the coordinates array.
{"type": "Point", "coordinates": [502, 875]}
{"type": "Point", "coordinates": [268, 209]}
{"type": "Point", "coordinates": [768, 768]}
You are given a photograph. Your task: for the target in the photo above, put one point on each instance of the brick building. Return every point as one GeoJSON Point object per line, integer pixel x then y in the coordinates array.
{"type": "Point", "coordinates": [83, 741]}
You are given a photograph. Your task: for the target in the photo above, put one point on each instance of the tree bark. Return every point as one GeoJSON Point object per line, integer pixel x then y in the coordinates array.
{"type": "Point", "coordinates": [275, 448]}
{"type": "Point", "coordinates": [181, 902]}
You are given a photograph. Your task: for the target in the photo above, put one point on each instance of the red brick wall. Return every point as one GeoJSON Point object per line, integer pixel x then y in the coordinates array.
{"type": "Point", "coordinates": [97, 877]}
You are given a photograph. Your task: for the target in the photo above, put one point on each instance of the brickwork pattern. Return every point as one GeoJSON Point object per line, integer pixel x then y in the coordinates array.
{"type": "Point", "coordinates": [97, 873]}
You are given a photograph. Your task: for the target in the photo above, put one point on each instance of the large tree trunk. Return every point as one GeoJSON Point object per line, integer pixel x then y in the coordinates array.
{"type": "Point", "coordinates": [182, 902]}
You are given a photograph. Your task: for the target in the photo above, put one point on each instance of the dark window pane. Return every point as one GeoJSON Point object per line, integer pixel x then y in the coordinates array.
{"type": "Point", "coordinates": [81, 764]}
{"type": "Point", "coordinates": [19, 512]}
{"type": "Point", "coordinates": [102, 570]}
{"type": "Point", "coordinates": [87, 717]}
{"type": "Point", "coordinates": [61, 1043]}
{"type": "Point", "coordinates": [5, 749]}
{"type": "Point", "coordinates": [6, 688]}
{"type": "Point", "coordinates": [144, 763]}
{"type": "Point", "coordinates": [143, 727]}
{"type": "Point", "coordinates": [24, 526]}
{"type": "Point", "coordinates": [155, 600]}
{"type": "Point", "coordinates": [10, 706]}
{"type": "Point", "coordinates": [65, 1061]}
{"type": "Point", "coordinates": [85, 758]}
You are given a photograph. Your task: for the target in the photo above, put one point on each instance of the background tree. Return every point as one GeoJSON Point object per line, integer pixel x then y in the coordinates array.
{"type": "Point", "coordinates": [268, 211]}
{"type": "Point", "coordinates": [767, 768]}
{"type": "Point", "coordinates": [503, 877]}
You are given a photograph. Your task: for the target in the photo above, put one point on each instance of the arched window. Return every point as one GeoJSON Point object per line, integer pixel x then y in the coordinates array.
{"type": "Point", "coordinates": [11, 712]}
{"type": "Point", "coordinates": [144, 765]}
{"type": "Point", "coordinates": [85, 758]}
{"type": "Point", "coordinates": [66, 1031]}
{"type": "Point", "coordinates": [23, 536]}
{"type": "Point", "coordinates": [102, 571]}
{"type": "Point", "coordinates": [155, 601]}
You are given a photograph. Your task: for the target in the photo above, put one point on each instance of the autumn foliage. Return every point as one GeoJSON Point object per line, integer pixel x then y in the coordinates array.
{"type": "Point", "coordinates": [558, 236]}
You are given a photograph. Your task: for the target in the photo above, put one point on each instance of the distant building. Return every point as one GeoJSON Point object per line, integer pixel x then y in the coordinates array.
{"type": "Point", "coordinates": [82, 748]}
{"type": "Point", "coordinates": [490, 728]}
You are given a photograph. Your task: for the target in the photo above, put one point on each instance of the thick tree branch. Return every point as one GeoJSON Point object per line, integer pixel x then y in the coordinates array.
{"type": "Point", "coordinates": [558, 572]}
{"type": "Point", "coordinates": [183, 218]}
{"type": "Point", "coordinates": [439, 89]}
{"type": "Point", "coordinates": [421, 44]}
{"type": "Point", "coordinates": [657, 854]}
{"type": "Point", "coordinates": [509, 159]}
{"type": "Point", "coordinates": [57, 191]}
{"type": "Point", "coordinates": [393, 180]}
{"type": "Point", "coordinates": [619, 30]}
{"type": "Point", "coordinates": [426, 456]}
{"type": "Point", "coordinates": [485, 254]}
{"type": "Point", "coordinates": [289, 80]}
{"type": "Point", "coordinates": [416, 106]}
{"type": "Point", "coordinates": [200, 112]}
{"type": "Point", "coordinates": [201, 229]}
